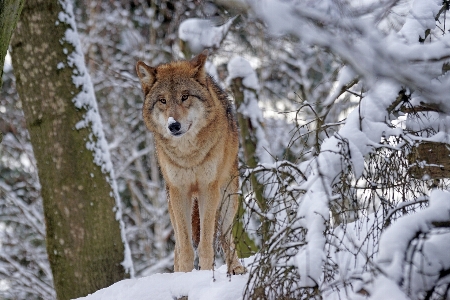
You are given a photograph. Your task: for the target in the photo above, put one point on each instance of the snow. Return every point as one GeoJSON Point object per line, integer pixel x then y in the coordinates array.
{"type": "Point", "coordinates": [171, 120]}
{"type": "Point", "coordinates": [313, 212]}
{"type": "Point", "coordinates": [421, 18]}
{"type": "Point", "coordinates": [346, 75]}
{"type": "Point", "coordinates": [359, 134]}
{"type": "Point", "coordinates": [85, 100]}
{"type": "Point", "coordinates": [396, 239]}
{"type": "Point", "coordinates": [212, 71]}
{"type": "Point", "coordinates": [201, 34]}
{"type": "Point", "coordinates": [369, 52]}
{"type": "Point", "coordinates": [7, 64]}
{"type": "Point", "coordinates": [417, 271]}
{"type": "Point", "coordinates": [203, 285]}
{"type": "Point", "coordinates": [386, 289]}
{"type": "Point", "coordinates": [197, 285]}
{"type": "Point", "coordinates": [239, 67]}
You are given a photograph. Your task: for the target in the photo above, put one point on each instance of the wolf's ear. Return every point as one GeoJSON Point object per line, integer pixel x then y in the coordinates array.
{"type": "Point", "coordinates": [147, 76]}
{"type": "Point", "coordinates": [198, 65]}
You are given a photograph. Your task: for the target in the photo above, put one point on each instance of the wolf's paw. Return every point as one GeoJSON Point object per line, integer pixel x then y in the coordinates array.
{"type": "Point", "coordinates": [239, 270]}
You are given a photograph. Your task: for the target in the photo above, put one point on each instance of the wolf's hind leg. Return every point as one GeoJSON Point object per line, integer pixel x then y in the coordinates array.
{"type": "Point", "coordinates": [228, 209]}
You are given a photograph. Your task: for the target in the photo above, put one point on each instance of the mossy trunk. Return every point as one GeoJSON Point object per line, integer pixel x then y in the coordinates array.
{"type": "Point", "coordinates": [248, 143]}
{"type": "Point", "coordinates": [9, 15]}
{"type": "Point", "coordinates": [84, 241]}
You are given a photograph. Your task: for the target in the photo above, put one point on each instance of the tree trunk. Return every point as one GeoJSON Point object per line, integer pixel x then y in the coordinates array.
{"type": "Point", "coordinates": [9, 15]}
{"type": "Point", "coordinates": [249, 141]}
{"type": "Point", "coordinates": [85, 243]}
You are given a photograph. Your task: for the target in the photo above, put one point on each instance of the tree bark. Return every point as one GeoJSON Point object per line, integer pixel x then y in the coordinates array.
{"type": "Point", "coordinates": [248, 142]}
{"type": "Point", "coordinates": [9, 15]}
{"type": "Point", "coordinates": [84, 239]}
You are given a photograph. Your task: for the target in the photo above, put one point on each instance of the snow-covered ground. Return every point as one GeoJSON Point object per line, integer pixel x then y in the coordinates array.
{"type": "Point", "coordinates": [196, 285]}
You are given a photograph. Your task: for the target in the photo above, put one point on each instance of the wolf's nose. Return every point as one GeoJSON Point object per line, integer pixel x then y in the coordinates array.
{"type": "Point", "coordinates": [174, 127]}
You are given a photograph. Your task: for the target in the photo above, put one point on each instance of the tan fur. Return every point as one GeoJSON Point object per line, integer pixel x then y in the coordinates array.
{"type": "Point", "coordinates": [200, 164]}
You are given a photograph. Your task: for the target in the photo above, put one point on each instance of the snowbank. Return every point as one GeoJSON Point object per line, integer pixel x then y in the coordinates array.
{"type": "Point", "coordinates": [197, 285]}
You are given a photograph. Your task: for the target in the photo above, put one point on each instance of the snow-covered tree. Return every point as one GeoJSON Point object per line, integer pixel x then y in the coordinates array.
{"type": "Point", "coordinates": [362, 173]}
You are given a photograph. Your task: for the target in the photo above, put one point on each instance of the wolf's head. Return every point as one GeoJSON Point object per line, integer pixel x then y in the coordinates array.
{"type": "Point", "coordinates": [177, 99]}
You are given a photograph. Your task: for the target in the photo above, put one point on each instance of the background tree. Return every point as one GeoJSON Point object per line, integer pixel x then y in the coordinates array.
{"type": "Point", "coordinates": [24, 268]}
{"type": "Point", "coordinates": [9, 15]}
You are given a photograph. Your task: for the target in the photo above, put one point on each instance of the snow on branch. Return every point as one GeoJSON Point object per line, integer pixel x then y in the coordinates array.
{"type": "Point", "coordinates": [201, 34]}
{"type": "Point", "coordinates": [352, 34]}
{"type": "Point", "coordinates": [414, 252]}
{"type": "Point", "coordinates": [362, 132]}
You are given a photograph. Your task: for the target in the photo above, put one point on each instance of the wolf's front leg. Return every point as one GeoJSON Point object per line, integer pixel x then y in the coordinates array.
{"type": "Point", "coordinates": [180, 209]}
{"type": "Point", "coordinates": [208, 202]}
{"type": "Point", "coordinates": [172, 220]}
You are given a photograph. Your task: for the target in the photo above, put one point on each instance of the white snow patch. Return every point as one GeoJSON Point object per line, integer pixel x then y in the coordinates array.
{"type": "Point", "coordinates": [387, 289]}
{"type": "Point", "coordinates": [396, 239]}
{"type": "Point", "coordinates": [201, 34]}
{"type": "Point", "coordinates": [212, 70]}
{"type": "Point", "coordinates": [7, 64]}
{"type": "Point", "coordinates": [346, 75]}
{"type": "Point", "coordinates": [420, 18]}
{"type": "Point", "coordinates": [171, 120]}
{"type": "Point", "coordinates": [4, 285]}
{"type": "Point", "coordinates": [197, 285]}
{"type": "Point", "coordinates": [412, 252]}
{"type": "Point", "coordinates": [239, 67]}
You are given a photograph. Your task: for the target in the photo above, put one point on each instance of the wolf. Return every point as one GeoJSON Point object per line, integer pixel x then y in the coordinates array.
{"type": "Point", "coordinates": [196, 140]}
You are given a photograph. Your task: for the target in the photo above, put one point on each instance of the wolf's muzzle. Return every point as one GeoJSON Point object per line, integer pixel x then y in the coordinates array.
{"type": "Point", "coordinates": [174, 128]}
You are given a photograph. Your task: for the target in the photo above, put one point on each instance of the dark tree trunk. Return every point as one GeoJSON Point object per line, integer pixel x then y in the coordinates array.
{"type": "Point", "coordinates": [9, 15]}
{"type": "Point", "coordinates": [249, 141]}
{"type": "Point", "coordinates": [84, 241]}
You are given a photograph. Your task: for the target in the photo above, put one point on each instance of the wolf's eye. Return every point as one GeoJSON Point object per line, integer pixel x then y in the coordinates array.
{"type": "Point", "coordinates": [184, 97]}
{"type": "Point", "coordinates": [162, 100]}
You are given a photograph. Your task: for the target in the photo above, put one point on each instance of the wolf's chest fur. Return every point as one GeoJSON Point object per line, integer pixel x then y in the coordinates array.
{"type": "Point", "coordinates": [188, 160]}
